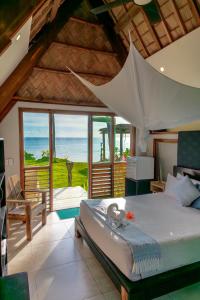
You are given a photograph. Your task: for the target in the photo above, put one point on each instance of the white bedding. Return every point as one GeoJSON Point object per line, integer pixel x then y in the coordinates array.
{"type": "Point", "coordinates": [175, 228]}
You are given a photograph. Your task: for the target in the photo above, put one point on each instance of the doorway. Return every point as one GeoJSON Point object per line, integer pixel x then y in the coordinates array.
{"type": "Point", "coordinates": [69, 160]}
{"type": "Point", "coordinates": [74, 155]}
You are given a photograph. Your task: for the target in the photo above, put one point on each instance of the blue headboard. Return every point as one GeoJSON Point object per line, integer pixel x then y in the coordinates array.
{"type": "Point", "coordinates": [189, 149]}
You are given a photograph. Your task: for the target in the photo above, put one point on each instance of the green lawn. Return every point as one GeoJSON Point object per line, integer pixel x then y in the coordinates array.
{"type": "Point", "coordinates": [60, 175]}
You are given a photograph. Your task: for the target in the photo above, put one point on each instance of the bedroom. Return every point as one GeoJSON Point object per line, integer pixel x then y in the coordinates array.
{"type": "Point", "coordinates": [35, 80]}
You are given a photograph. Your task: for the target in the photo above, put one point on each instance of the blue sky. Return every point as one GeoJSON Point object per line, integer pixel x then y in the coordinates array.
{"type": "Point", "coordinates": [36, 125]}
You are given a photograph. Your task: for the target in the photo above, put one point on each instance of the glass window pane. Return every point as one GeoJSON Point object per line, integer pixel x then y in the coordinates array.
{"type": "Point", "coordinates": [102, 126]}
{"type": "Point", "coordinates": [122, 139]}
{"type": "Point", "coordinates": [36, 138]}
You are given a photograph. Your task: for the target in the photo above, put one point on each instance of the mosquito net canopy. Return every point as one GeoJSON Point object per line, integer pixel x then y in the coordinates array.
{"type": "Point", "coordinates": [146, 98]}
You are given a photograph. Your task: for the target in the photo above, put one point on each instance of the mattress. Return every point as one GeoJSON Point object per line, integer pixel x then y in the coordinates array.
{"type": "Point", "coordinates": [175, 228]}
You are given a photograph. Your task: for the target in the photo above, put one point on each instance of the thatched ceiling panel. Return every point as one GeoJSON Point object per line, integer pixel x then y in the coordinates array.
{"type": "Point", "coordinates": [84, 34]}
{"type": "Point", "coordinates": [44, 85]}
{"type": "Point", "coordinates": [82, 60]}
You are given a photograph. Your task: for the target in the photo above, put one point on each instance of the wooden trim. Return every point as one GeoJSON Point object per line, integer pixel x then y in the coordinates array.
{"type": "Point", "coordinates": [112, 155]}
{"type": "Point", "coordinates": [21, 148]}
{"type": "Point", "coordinates": [36, 168]}
{"type": "Point", "coordinates": [67, 112]}
{"type": "Point", "coordinates": [152, 132]}
{"type": "Point", "coordinates": [6, 109]}
{"type": "Point", "coordinates": [57, 102]}
{"type": "Point", "coordinates": [90, 154]}
{"type": "Point", "coordinates": [155, 149]}
{"type": "Point", "coordinates": [156, 141]}
{"type": "Point", "coordinates": [67, 72]}
{"type": "Point", "coordinates": [51, 159]}
{"type": "Point", "coordinates": [133, 141]}
{"type": "Point", "coordinates": [124, 294]}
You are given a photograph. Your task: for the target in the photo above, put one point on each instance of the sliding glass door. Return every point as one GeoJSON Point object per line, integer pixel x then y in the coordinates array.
{"type": "Point", "coordinates": [74, 156]}
{"type": "Point", "coordinates": [70, 160]}
{"type": "Point", "coordinates": [101, 157]}
{"type": "Point", "coordinates": [36, 170]}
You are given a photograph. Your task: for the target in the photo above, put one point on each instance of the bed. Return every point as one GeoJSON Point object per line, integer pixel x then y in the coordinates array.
{"type": "Point", "coordinates": [178, 233]}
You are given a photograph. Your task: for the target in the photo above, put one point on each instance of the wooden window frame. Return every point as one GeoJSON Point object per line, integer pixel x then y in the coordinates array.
{"type": "Point", "coordinates": [90, 114]}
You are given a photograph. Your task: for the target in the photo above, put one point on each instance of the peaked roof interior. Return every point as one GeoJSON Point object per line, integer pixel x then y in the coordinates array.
{"type": "Point", "coordinates": [93, 46]}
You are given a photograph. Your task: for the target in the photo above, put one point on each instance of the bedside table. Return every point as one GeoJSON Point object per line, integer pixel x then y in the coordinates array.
{"type": "Point", "coordinates": [157, 186]}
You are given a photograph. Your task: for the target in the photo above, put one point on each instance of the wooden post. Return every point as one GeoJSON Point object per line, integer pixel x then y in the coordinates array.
{"type": "Point", "coordinates": [124, 294]}
{"type": "Point", "coordinates": [28, 222]}
{"type": "Point", "coordinates": [104, 147]}
{"type": "Point", "coordinates": [121, 144]}
{"type": "Point", "coordinates": [69, 165]}
{"type": "Point", "coordinates": [44, 211]}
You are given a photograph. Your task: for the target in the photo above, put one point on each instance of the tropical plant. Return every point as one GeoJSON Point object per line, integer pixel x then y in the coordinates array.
{"type": "Point", "coordinates": [29, 156]}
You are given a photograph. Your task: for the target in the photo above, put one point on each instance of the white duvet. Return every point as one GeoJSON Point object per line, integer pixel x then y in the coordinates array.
{"type": "Point", "coordinates": [175, 228]}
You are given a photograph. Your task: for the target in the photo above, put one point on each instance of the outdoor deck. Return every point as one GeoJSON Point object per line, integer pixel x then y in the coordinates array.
{"type": "Point", "coordinates": [68, 197]}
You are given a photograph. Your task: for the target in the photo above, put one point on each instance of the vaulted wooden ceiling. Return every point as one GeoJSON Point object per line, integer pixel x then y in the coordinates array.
{"type": "Point", "coordinates": [82, 46]}
{"type": "Point", "coordinates": [93, 47]}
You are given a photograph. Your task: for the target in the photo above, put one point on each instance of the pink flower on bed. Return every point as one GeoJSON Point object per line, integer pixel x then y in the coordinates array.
{"type": "Point", "coordinates": [130, 215]}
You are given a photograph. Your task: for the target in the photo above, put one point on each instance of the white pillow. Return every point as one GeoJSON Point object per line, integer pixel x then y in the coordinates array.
{"type": "Point", "coordinates": [182, 189]}
{"type": "Point", "coordinates": [171, 184]}
{"type": "Point", "coordinates": [179, 176]}
{"type": "Point", "coordinates": [194, 181]}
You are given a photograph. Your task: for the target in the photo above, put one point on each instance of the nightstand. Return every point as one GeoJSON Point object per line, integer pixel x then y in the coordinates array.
{"type": "Point", "coordinates": [157, 186]}
{"type": "Point", "coordinates": [136, 187]}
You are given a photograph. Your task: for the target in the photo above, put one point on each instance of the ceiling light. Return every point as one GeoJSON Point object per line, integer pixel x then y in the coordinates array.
{"type": "Point", "coordinates": [18, 37]}
{"type": "Point", "coordinates": [162, 69]}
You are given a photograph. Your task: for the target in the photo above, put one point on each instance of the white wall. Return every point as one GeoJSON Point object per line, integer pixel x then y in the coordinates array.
{"type": "Point", "coordinates": [181, 59]}
{"type": "Point", "coordinates": [9, 130]}
{"type": "Point", "coordinates": [15, 52]}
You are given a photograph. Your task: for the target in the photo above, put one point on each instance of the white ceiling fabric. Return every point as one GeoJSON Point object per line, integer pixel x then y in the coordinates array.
{"type": "Point", "coordinates": [146, 98]}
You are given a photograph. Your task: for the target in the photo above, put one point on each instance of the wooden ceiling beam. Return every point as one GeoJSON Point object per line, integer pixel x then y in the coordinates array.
{"type": "Point", "coordinates": [126, 18]}
{"type": "Point", "coordinates": [152, 31]}
{"type": "Point", "coordinates": [178, 16]}
{"type": "Point", "coordinates": [103, 52]}
{"type": "Point", "coordinates": [140, 39]}
{"type": "Point", "coordinates": [194, 11]}
{"type": "Point", "coordinates": [59, 101]}
{"type": "Point", "coordinates": [165, 26]}
{"type": "Point", "coordinates": [108, 25]}
{"type": "Point", "coordinates": [137, 32]}
{"type": "Point", "coordinates": [68, 73]}
{"type": "Point", "coordinates": [23, 70]}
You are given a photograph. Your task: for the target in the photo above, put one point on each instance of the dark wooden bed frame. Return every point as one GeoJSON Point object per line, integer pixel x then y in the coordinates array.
{"type": "Point", "coordinates": [151, 287]}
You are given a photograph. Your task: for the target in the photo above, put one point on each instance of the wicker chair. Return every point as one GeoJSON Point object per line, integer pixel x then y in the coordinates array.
{"type": "Point", "coordinates": [24, 205]}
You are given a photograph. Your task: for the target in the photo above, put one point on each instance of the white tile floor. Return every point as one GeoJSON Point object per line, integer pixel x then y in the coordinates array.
{"type": "Point", "coordinates": [62, 267]}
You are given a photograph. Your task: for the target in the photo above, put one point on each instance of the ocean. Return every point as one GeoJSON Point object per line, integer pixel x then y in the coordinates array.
{"type": "Point", "coordinates": [75, 149]}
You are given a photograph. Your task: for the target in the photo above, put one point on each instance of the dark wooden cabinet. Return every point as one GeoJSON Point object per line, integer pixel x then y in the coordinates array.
{"type": "Point", "coordinates": [14, 287]}
{"type": "Point", "coordinates": [137, 187]}
{"type": "Point", "coordinates": [3, 231]}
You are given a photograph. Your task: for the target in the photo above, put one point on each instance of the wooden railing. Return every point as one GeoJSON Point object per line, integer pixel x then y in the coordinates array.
{"type": "Point", "coordinates": [101, 183]}
{"type": "Point", "coordinates": [119, 179]}
{"type": "Point", "coordinates": [108, 180]}
{"type": "Point", "coordinates": [36, 177]}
